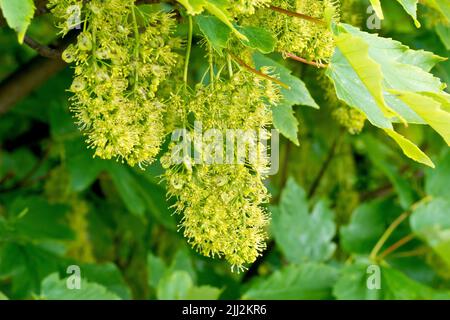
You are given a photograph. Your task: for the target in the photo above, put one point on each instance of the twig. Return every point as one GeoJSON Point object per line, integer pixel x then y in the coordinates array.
{"type": "Point", "coordinates": [31, 75]}
{"type": "Point", "coordinates": [303, 60]}
{"type": "Point", "coordinates": [259, 73]}
{"type": "Point", "coordinates": [297, 15]}
{"type": "Point", "coordinates": [377, 193]}
{"type": "Point", "coordinates": [41, 49]}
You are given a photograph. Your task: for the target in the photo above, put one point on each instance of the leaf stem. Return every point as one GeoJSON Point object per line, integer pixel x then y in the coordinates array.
{"type": "Point", "coordinates": [297, 15]}
{"type": "Point", "coordinates": [230, 66]}
{"type": "Point", "coordinates": [387, 233]}
{"type": "Point", "coordinates": [211, 65]}
{"type": "Point", "coordinates": [257, 72]}
{"type": "Point", "coordinates": [412, 253]}
{"type": "Point", "coordinates": [303, 60]}
{"type": "Point", "coordinates": [385, 236]}
{"type": "Point", "coordinates": [188, 51]}
{"type": "Point", "coordinates": [396, 245]}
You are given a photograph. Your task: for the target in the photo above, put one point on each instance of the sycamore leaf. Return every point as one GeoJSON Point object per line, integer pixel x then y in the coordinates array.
{"type": "Point", "coordinates": [409, 148]}
{"type": "Point", "coordinates": [54, 288]}
{"type": "Point", "coordinates": [430, 110]}
{"type": "Point", "coordinates": [399, 286]}
{"type": "Point", "coordinates": [156, 269]}
{"type": "Point", "coordinates": [18, 15]}
{"type": "Point", "coordinates": [258, 38]}
{"type": "Point", "coordinates": [352, 284]}
{"type": "Point", "coordinates": [431, 222]}
{"type": "Point", "coordinates": [443, 6]}
{"type": "Point", "coordinates": [220, 12]}
{"type": "Point", "coordinates": [284, 119]}
{"type": "Point", "coordinates": [174, 286]}
{"type": "Point", "coordinates": [127, 188]}
{"type": "Point", "coordinates": [193, 7]}
{"type": "Point", "coordinates": [364, 65]}
{"type": "Point", "coordinates": [386, 49]}
{"type": "Point", "coordinates": [218, 34]}
{"type": "Point", "coordinates": [410, 7]}
{"type": "Point", "coordinates": [443, 32]}
{"type": "Point", "coordinates": [203, 293]}
{"type": "Point", "coordinates": [215, 31]}
{"type": "Point", "coordinates": [302, 236]}
{"type": "Point", "coordinates": [306, 281]}
{"type": "Point", "coordinates": [436, 181]}
{"type": "Point", "coordinates": [217, 8]}
{"type": "Point", "coordinates": [179, 286]}
{"type": "Point", "coordinates": [402, 69]}
{"type": "Point", "coordinates": [443, 98]}
{"type": "Point", "coordinates": [358, 79]}
{"type": "Point", "coordinates": [395, 285]}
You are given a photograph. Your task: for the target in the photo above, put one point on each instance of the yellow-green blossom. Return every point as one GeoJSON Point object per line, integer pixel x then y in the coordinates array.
{"type": "Point", "coordinates": [309, 40]}
{"type": "Point", "coordinates": [120, 62]}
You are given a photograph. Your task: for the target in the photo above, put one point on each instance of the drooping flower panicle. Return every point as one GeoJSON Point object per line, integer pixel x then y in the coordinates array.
{"type": "Point", "coordinates": [121, 59]}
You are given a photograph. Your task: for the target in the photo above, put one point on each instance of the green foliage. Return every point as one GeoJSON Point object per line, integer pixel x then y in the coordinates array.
{"type": "Point", "coordinates": [352, 286]}
{"type": "Point", "coordinates": [296, 94]}
{"type": "Point", "coordinates": [302, 236]}
{"type": "Point", "coordinates": [54, 288]}
{"type": "Point", "coordinates": [431, 222]}
{"type": "Point", "coordinates": [178, 286]}
{"type": "Point", "coordinates": [385, 70]}
{"type": "Point", "coordinates": [18, 14]}
{"type": "Point", "coordinates": [347, 216]}
{"type": "Point", "coordinates": [367, 224]}
{"type": "Point", "coordinates": [308, 281]}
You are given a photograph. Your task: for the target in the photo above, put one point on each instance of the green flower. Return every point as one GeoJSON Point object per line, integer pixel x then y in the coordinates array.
{"type": "Point", "coordinates": [118, 73]}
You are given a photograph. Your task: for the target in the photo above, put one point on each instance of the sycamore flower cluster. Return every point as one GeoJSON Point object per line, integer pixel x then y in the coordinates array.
{"type": "Point", "coordinates": [221, 203]}
{"type": "Point", "coordinates": [307, 39]}
{"type": "Point", "coordinates": [120, 63]}
{"type": "Point", "coordinates": [350, 118]}
{"type": "Point", "coordinates": [127, 98]}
